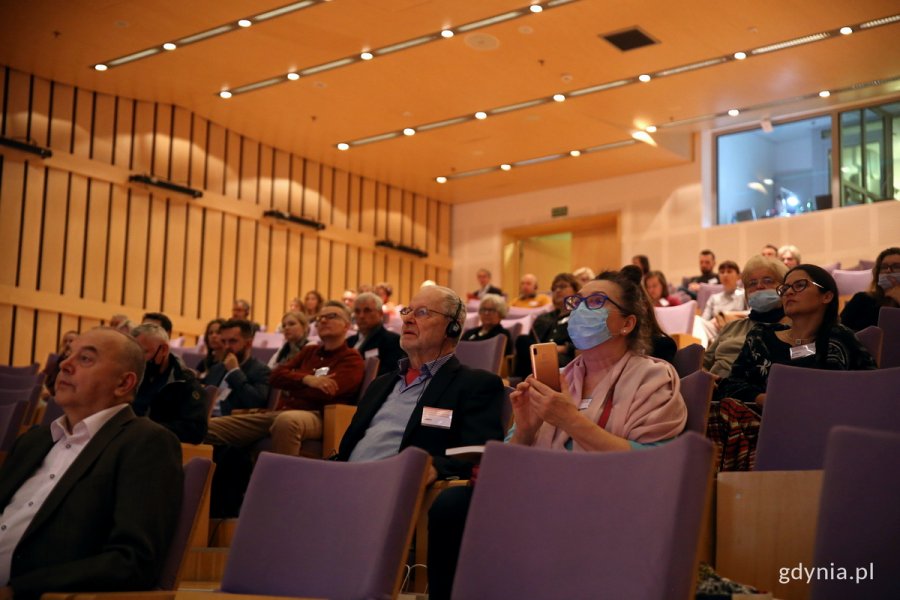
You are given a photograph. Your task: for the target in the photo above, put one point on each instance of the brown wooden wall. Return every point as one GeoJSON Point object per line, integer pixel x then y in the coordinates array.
{"type": "Point", "coordinates": [79, 243]}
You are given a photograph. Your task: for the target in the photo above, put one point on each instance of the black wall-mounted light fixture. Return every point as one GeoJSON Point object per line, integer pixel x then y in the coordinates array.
{"type": "Point", "coordinates": [166, 185]}
{"type": "Point", "coordinates": [402, 248]}
{"type": "Point", "coordinates": [289, 218]}
{"type": "Point", "coordinates": [26, 147]}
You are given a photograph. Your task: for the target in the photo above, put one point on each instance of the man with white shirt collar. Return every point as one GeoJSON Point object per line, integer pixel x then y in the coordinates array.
{"type": "Point", "coordinates": [373, 339]}
{"type": "Point", "coordinates": [90, 503]}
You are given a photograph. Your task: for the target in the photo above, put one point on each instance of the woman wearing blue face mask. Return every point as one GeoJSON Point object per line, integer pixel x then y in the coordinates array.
{"type": "Point", "coordinates": [615, 396]}
{"type": "Point", "coordinates": [862, 309]}
{"type": "Point", "coordinates": [761, 275]}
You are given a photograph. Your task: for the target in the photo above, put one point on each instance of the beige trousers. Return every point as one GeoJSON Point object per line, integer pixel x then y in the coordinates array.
{"type": "Point", "coordinates": [288, 429]}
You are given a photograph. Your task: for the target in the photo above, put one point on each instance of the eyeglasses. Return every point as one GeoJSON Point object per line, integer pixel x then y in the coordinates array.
{"type": "Point", "coordinates": [765, 281]}
{"type": "Point", "coordinates": [595, 301]}
{"type": "Point", "coordinates": [798, 286]}
{"type": "Point", "coordinates": [327, 317]}
{"type": "Point", "coordinates": [891, 268]}
{"type": "Point", "coordinates": [421, 312]}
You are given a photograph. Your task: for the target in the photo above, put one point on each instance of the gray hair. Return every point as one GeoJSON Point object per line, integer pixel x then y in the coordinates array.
{"type": "Point", "coordinates": [369, 297]}
{"type": "Point", "coordinates": [778, 269]}
{"type": "Point", "coordinates": [151, 330]}
{"type": "Point", "coordinates": [499, 303]}
{"type": "Point", "coordinates": [453, 306]}
{"type": "Point", "coordinates": [794, 250]}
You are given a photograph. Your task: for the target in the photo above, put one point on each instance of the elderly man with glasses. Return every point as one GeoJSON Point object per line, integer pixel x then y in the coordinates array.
{"type": "Point", "coordinates": [372, 338]}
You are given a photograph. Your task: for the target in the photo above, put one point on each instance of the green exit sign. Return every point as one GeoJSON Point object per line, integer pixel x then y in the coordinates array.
{"type": "Point", "coordinates": [559, 211]}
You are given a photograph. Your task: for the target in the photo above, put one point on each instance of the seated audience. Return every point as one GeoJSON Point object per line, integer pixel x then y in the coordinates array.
{"type": "Point", "coordinates": [528, 294]}
{"type": "Point", "coordinates": [583, 275]}
{"type": "Point", "coordinates": [158, 318]}
{"type": "Point", "coordinates": [384, 290]}
{"type": "Point", "coordinates": [721, 306]}
{"type": "Point", "coordinates": [707, 274]}
{"type": "Point", "coordinates": [90, 502]}
{"type": "Point", "coordinates": [484, 285]}
{"type": "Point", "coordinates": [662, 345]}
{"type": "Point", "coordinates": [296, 304]}
{"type": "Point", "coordinates": [347, 298]}
{"type": "Point", "coordinates": [614, 398]}
{"type": "Point", "coordinates": [215, 349]}
{"type": "Point", "coordinates": [658, 289]}
{"type": "Point", "coordinates": [761, 276]}
{"type": "Point", "coordinates": [814, 339]}
{"type": "Point", "coordinates": [320, 374]}
{"type": "Point", "coordinates": [789, 255]}
{"type": "Point", "coordinates": [294, 327]}
{"type": "Point", "coordinates": [117, 321]}
{"type": "Point", "coordinates": [639, 260]}
{"type": "Point", "coordinates": [243, 381]}
{"type": "Point", "coordinates": [241, 311]}
{"type": "Point", "coordinates": [490, 311]}
{"type": "Point", "coordinates": [169, 393]}
{"type": "Point", "coordinates": [312, 304]}
{"type": "Point", "coordinates": [372, 338]}
{"type": "Point", "coordinates": [769, 251]}
{"type": "Point", "coordinates": [404, 408]}
{"type": "Point", "coordinates": [862, 309]}
{"type": "Point", "coordinates": [550, 327]}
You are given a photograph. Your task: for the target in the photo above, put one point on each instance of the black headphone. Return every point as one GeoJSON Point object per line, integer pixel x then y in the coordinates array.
{"type": "Point", "coordinates": [454, 329]}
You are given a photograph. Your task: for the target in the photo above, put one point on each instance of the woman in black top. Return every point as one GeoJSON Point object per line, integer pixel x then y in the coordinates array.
{"type": "Point", "coordinates": [862, 309]}
{"type": "Point", "coordinates": [490, 311]}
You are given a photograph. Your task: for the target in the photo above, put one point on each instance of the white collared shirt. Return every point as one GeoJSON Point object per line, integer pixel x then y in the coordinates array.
{"type": "Point", "coordinates": [29, 498]}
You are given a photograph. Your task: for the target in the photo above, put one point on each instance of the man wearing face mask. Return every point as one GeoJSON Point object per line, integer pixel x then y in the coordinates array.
{"type": "Point", "coordinates": [169, 393]}
{"type": "Point", "coordinates": [761, 275]}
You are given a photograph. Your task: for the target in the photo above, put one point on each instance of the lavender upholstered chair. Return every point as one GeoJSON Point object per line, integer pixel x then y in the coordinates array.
{"type": "Point", "coordinates": [689, 359]}
{"type": "Point", "coordinates": [325, 529]}
{"type": "Point", "coordinates": [706, 290]}
{"type": "Point", "coordinates": [850, 282]}
{"type": "Point", "coordinates": [697, 389]}
{"type": "Point", "coordinates": [677, 319]}
{"type": "Point", "coordinates": [26, 370]}
{"type": "Point", "coordinates": [552, 524]}
{"type": "Point", "coordinates": [485, 354]}
{"type": "Point", "coordinates": [802, 405]}
{"type": "Point", "coordinates": [197, 477]}
{"type": "Point", "coordinates": [11, 416]}
{"type": "Point", "coordinates": [872, 338]}
{"type": "Point", "coordinates": [859, 523]}
{"type": "Point", "coordinates": [52, 412]}
{"type": "Point", "coordinates": [889, 324]}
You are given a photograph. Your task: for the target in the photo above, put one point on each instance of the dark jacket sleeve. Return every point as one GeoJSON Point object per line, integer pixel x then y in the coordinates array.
{"type": "Point", "coordinates": [249, 386]}
{"type": "Point", "coordinates": [860, 312]}
{"type": "Point", "coordinates": [750, 370]}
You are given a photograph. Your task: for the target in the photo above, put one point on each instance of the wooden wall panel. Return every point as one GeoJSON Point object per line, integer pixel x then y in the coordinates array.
{"type": "Point", "coordinates": [88, 245]}
{"type": "Point", "coordinates": [5, 72]}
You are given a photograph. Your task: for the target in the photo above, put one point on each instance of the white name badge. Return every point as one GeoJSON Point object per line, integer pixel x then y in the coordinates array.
{"type": "Point", "coordinates": [585, 403]}
{"type": "Point", "coordinates": [373, 353]}
{"type": "Point", "coordinates": [436, 417]}
{"type": "Point", "coordinates": [803, 351]}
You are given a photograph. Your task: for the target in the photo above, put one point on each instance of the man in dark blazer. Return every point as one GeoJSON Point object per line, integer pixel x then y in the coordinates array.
{"type": "Point", "coordinates": [484, 281]}
{"type": "Point", "coordinates": [90, 503]}
{"type": "Point", "coordinates": [245, 378]}
{"type": "Point", "coordinates": [432, 402]}
{"type": "Point", "coordinates": [373, 339]}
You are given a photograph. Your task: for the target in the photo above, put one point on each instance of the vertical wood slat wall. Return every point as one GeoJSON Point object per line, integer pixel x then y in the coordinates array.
{"type": "Point", "coordinates": [79, 244]}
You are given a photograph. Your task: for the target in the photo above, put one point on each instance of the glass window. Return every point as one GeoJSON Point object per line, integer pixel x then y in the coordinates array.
{"type": "Point", "coordinates": [870, 154]}
{"type": "Point", "coordinates": [780, 172]}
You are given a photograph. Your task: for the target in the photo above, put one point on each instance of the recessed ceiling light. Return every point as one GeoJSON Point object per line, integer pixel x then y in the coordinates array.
{"type": "Point", "coordinates": [768, 181]}
{"type": "Point", "coordinates": [366, 56]}
{"type": "Point", "coordinates": [100, 67]}
{"type": "Point", "coordinates": [643, 136]}
{"type": "Point", "coordinates": [447, 33]}
{"type": "Point", "coordinates": [575, 153]}
{"type": "Point", "coordinates": [245, 23]}
{"type": "Point", "coordinates": [846, 30]}
{"type": "Point", "coordinates": [559, 97]}
{"type": "Point", "coordinates": [441, 179]}
{"type": "Point", "coordinates": [409, 131]}
{"type": "Point", "coordinates": [536, 8]}
{"type": "Point", "coordinates": [644, 78]}
{"type": "Point", "coordinates": [824, 94]}
{"type": "Point", "coordinates": [293, 76]}
{"type": "Point", "coordinates": [740, 55]}
{"type": "Point", "coordinates": [481, 115]}
{"type": "Point", "coordinates": [169, 46]}
{"type": "Point", "coordinates": [505, 167]}
{"type": "Point", "coordinates": [650, 128]}
{"type": "Point", "coordinates": [733, 112]}
{"type": "Point", "coordinates": [225, 94]}
{"type": "Point", "coordinates": [343, 146]}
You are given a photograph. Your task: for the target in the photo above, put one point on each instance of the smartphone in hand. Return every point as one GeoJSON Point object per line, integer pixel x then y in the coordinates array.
{"type": "Point", "coordinates": [545, 364]}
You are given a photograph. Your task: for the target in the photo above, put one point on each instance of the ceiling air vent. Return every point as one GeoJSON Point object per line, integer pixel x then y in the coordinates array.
{"type": "Point", "coordinates": [629, 39]}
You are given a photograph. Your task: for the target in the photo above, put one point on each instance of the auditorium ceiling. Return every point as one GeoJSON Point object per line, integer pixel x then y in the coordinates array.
{"type": "Point", "coordinates": [547, 79]}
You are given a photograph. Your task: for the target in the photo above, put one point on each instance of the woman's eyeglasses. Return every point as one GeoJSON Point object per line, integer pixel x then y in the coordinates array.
{"type": "Point", "coordinates": [765, 281]}
{"type": "Point", "coordinates": [595, 301]}
{"type": "Point", "coordinates": [892, 268]}
{"type": "Point", "coordinates": [798, 286]}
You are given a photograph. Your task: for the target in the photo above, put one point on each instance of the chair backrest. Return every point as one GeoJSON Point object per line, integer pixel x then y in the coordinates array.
{"type": "Point", "coordinates": [677, 319]}
{"type": "Point", "coordinates": [519, 325]}
{"type": "Point", "coordinates": [858, 523]}
{"type": "Point", "coordinates": [11, 417]}
{"type": "Point", "coordinates": [320, 528]}
{"type": "Point", "coordinates": [197, 478]}
{"type": "Point", "coordinates": [889, 324]}
{"type": "Point", "coordinates": [484, 354]}
{"type": "Point", "coordinates": [211, 392]}
{"type": "Point", "coordinates": [371, 372]}
{"type": "Point", "coordinates": [191, 357]}
{"type": "Point", "coordinates": [560, 532]}
{"type": "Point", "coordinates": [16, 381]}
{"type": "Point", "coordinates": [268, 340]}
{"type": "Point", "coordinates": [850, 282]}
{"type": "Point", "coordinates": [26, 370]}
{"type": "Point", "coordinates": [177, 342]}
{"type": "Point", "coordinates": [263, 354]}
{"type": "Point", "coordinates": [706, 290]}
{"type": "Point", "coordinates": [802, 405]}
{"type": "Point", "coordinates": [872, 338]}
{"type": "Point", "coordinates": [52, 411]}
{"type": "Point", "coordinates": [831, 267]}
{"type": "Point", "coordinates": [689, 359]}
{"type": "Point", "coordinates": [697, 389]}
